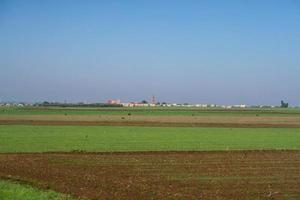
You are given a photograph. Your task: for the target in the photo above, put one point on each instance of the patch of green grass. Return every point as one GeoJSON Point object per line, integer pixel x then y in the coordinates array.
{"type": "Point", "coordinates": [15, 191]}
{"type": "Point", "coordinates": [22, 138]}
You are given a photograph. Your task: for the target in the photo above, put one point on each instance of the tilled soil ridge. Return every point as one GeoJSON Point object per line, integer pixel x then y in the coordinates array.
{"type": "Point", "coordinates": [161, 175]}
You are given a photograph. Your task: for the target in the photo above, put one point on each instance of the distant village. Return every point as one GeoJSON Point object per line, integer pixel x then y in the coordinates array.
{"type": "Point", "coordinates": [153, 103]}
{"type": "Point", "coordinates": [143, 103]}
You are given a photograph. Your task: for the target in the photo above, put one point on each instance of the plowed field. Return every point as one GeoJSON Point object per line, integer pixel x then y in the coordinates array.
{"type": "Point", "coordinates": [161, 175]}
{"type": "Point", "coordinates": [159, 121]}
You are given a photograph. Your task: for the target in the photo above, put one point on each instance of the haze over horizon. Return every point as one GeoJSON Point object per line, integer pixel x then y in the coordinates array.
{"type": "Point", "coordinates": [222, 52]}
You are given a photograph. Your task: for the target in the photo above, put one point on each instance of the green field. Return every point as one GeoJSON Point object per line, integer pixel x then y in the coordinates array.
{"type": "Point", "coordinates": [15, 191]}
{"type": "Point", "coordinates": [22, 138]}
{"type": "Point", "coordinates": [155, 111]}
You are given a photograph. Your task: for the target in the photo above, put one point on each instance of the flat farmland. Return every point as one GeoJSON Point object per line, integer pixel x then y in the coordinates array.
{"type": "Point", "coordinates": [161, 175]}
{"type": "Point", "coordinates": [152, 153]}
{"type": "Point", "coordinates": [152, 111]}
{"type": "Point", "coordinates": [162, 117]}
{"type": "Point", "coordinates": [26, 138]}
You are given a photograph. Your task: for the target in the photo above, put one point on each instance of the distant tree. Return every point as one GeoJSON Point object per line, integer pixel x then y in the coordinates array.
{"type": "Point", "coordinates": [144, 102]}
{"type": "Point", "coordinates": [284, 105]}
{"type": "Point", "coordinates": [46, 103]}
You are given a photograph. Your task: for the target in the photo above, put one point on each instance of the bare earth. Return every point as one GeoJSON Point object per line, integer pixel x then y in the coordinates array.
{"type": "Point", "coordinates": [177, 121]}
{"type": "Point", "coordinates": [161, 175]}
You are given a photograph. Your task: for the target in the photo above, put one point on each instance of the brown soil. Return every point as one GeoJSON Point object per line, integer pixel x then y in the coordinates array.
{"type": "Point", "coordinates": [177, 121]}
{"type": "Point", "coordinates": [161, 175]}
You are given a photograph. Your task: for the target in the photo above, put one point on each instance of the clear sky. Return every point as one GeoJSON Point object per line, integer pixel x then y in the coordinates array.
{"type": "Point", "coordinates": [224, 52]}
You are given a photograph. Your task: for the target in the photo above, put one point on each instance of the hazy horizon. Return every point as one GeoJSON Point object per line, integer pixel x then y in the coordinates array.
{"type": "Point", "coordinates": [221, 52]}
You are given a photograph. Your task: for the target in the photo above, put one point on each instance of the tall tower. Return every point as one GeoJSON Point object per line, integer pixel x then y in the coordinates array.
{"type": "Point", "coordinates": [153, 101]}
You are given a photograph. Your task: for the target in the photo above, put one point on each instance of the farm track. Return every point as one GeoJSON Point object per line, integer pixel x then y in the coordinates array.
{"type": "Point", "coordinates": [161, 175]}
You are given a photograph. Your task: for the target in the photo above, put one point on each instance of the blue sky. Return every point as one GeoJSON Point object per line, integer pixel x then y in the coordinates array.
{"type": "Point", "coordinates": [224, 52]}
